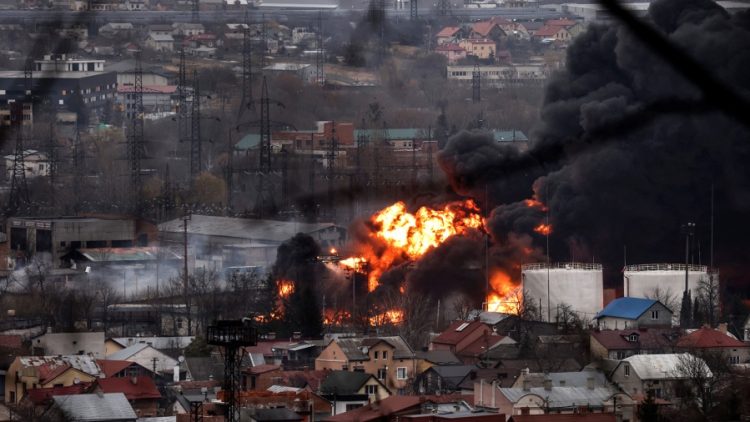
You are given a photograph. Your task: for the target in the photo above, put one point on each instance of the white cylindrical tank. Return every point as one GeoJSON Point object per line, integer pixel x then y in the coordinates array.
{"type": "Point", "coordinates": [665, 282]}
{"type": "Point", "coordinates": [579, 285]}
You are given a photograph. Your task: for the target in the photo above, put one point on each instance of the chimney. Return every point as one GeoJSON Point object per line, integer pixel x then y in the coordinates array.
{"type": "Point", "coordinates": [722, 327]}
{"type": "Point", "coordinates": [547, 384]}
{"type": "Point", "coordinates": [590, 383]}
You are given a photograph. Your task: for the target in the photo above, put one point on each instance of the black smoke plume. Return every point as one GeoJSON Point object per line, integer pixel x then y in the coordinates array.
{"type": "Point", "coordinates": [628, 149]}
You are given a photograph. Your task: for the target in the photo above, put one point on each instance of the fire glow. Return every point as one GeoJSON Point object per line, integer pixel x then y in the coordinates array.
{"type": "Point", "coordinates": [543, 229]}
{"type": "Point", "coordinates": [285, 288]}
{"type": "Point", "coordinates": [409, 236]}
{"type": "Point", "coordinates": [392, 316]}
{"type": "Point", "coordinates": [506, 296]}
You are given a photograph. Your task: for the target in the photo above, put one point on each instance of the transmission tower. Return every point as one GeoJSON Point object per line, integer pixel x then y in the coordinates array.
{"type": "Point", "coordinates": [195, 130]}
{"type": "Point", "coordinates": [196, 11]}
{"type": "Point", "coordinates": [247, 72]}
{"type": "Point", "coordinates": [263, 42]}
{"type": "Point", "coordinates": [19, 192]}
{"type": "Point", "coordinates": [413, 10]}
{"type": "Point", "coordinates": [232, 337]}
{"type": "Point", "coordinates": [320, 78]}
{"type": "Point", "coordinates": [135, 142]}
{"type": "Point", "coordinates": [331, 154]}
{"type": "Point", "coordinates": [182, 105]}
{"type": "Point", "coordinates": [444, 7]}
{"type": "Point", "coordinates": [78, 163]}
{"type": "Point", "coordinates": [476, 85]}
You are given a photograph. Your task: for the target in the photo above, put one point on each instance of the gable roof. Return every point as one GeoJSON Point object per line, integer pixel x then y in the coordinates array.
{"type": "Point", "coordinates": [135, 388]}
{"type": "Point", "coordinates": [453, 374]}
{"type": "Point", "coordinates": [46, 364]}
{"type": "Point", "coordinates": [457, 332]}
{"type": "Point", "coordinates": [560, 379]}
{"type": "Point", "coordinates": [40, 396]}
{"type": "Point", "coordinates": [626, 307]}
{"type": "Point", "coordinates": [111, 368]}
{"type": "Point", "coordinates": [439, 357]}
{"type": "Point", "coordinates": [484, 28]}
{"type": "Point", "coordinates": [648, 339]}
{"type": "Point", "coordinates": [481, 346]}
{"type": "Point", "coordinates": [562, 397]}
{"type": "Point", "coordinates": [706, 338]}
{"type": "Point", "coordinates": [128, 352]}
{"type": "Point", "coordinates": [344, 382]}
{"type": "Point", "coordinates": [660, 366]}
{"type": "Point", "coordinates": [96, 407]}
{"type": "Point", "coordinates": [567, 23]}
{"type": "Point", "coordinates": [448, 31]}
{"type": "Point", "coordinates": [355, 348]}
{"type": "Point", "coordinates": [382, 409]}
{"type": "Point", "coordinates": [548, 31]}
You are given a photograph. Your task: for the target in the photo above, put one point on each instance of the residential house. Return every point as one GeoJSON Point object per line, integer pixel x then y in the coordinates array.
{"type": "Point", "coordinates": [708, 341]}
{"type": "Point", "coordinates": [551, 399]}
{"type": "Point", "coordinates": [206, 368]}
{"type": "Point", "coordinates": [156, 99]}
{"type": "Point", "coordinates": [146, 356]}
{"type": "Point", "coordinates": [389, 359]}
{"type": "Point", "coordinates": [453, 52]}
{"type": "Point", "coordinates": [433, 408]}
{"type": "Point", "coordinates": [160, 43]}
{"type": "Point", "coordinates": [489, 29]}
{"type": "Point", "coordinates": [41, 398]}
{"type": "Point", "coordinates": [481, 48]}
{"type": "Point", "coordinates": [83, 343]}
{"type": "Point", "coordinates": [96, 407]}
{"type": "Point", "coordinates": [348, 390]}
{"type": "Point", "coordinates": [306, 406]}
{"type": "Point", "coordinates": [260, 377]}
{"type": "Point", "coordinates": [160, 29]}
{"type": "Point", "coordinates": [619, 344]}
{"type": "Point", "coordinates": [460, 335]}
{"type": "Point", "coordinates": [116, 29]}
{"type": "Point", "coordinates": [35, 164]}
{"type": "Point", "coordinates": [478, 350]}
{"type": "Point", "coordinates": [443, 379]}
{"type": "Point", "coordinates": [170, 345]}
{"type": "Point", "coordinates": [27, 372]}
{"type": "Point", "coordinates": [429, 358]}
{"type": "Point", "coordinates": [586, 378]}
{"type": "Point", "coordinates": [185, 29]}
{"type": "Point", "coordinates": [552, 33]}
{"type": "Point", "coordinates": [304, 71]}
{"type": "Point", "coordinates": [205, 39]}
{"type": "Point", "coordinates": [659, 374]}
{"type": "Point", "coordinates": [123, 369]}
{"type": "Point", "coordinates": [449, 34]}
{"type": "Point", "coordinates": [279, 414]}
{"type": "Point", "coordinates": [141, 393]}
{"type": "Point", "coordinates": [633, 312]}
{"type": "Point", "coordinates": [573, 27]}
{"type": "Point", "coordinates": [235, 31]}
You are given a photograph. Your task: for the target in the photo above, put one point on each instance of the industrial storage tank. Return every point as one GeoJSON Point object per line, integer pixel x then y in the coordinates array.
{"type": "Point", "coordinates": [665, 282]}
{"type": "Point", "coordinates": [549, 286]}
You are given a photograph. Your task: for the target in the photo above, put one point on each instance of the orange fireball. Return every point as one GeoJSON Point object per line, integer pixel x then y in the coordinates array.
{"type": "Point", "coordinates": [543, 229]}
{"type": "Point", "coordinates": [505, 296]}
{"type": "Point", "coordinates": [285, 288]}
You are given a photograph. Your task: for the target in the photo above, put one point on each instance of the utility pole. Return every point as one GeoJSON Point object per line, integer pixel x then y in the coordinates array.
{"type": "Point", "coordinates": [381, 15]}
{"type": "Point", "coordinates": [320, 78]}
{"type": "Point", "coordinates": [264, 42]}
{"type": "Point", "coordinates": [135, 140]}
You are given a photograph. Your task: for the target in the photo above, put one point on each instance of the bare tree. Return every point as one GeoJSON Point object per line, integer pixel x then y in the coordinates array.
{"type": "Point", "coordinates": [707, 300]}
{"type": "Point", "coordinates": [666, 296]}
{"type": "Point", "coordinates": [699, 383]}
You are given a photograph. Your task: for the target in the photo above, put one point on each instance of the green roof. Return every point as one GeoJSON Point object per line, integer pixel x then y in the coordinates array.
{"type": "Point", "coordinates": [249, 141]}
{"type": "Point", "coordinates": [509, 135]}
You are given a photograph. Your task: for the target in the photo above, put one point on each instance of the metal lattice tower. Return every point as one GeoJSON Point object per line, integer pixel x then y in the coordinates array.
{"type": "Point", "coordinates": [196, 158]}
{"type": "Point", "coordinates": [229, 176]}
{"type": "Point", "coordinates": [413, 10]}
{"type": "Point", "coordinates": [476, 85]}
{"type": "Point", "coordinates": [320, 77]}
{"type": "Point", "coordinates": [263, 42]}
{"type": "Point", "coordinates": [232, 337]}
{"type": "Point", "coordinates": [443, 7]}
{"type": "Point", "coordinates": [247, 72]}
{"type": "Point", "coordinates": [135, 143]}
{"type": "Point", "coordinates": [19, 192]}
{"type": "Point", "coordinates": [182, 104]}
{"type": "Point", "coordinates": [265, 189]}
{"type": "Point", "coordinates": [284, 177]}
{"type": "Point", "coordinates": [333, 146]}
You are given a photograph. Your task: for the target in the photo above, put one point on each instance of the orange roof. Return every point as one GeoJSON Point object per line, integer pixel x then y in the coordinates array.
{"type": "Point", "coordinates": [135, 388]}
{"type": "Point", "coordinates": [448, 31]}
{"type": "Point", "coordinates": [457, 332]}
{"type": "Point", "coordinates": [483, 28]}
{"type": "Point", "coordinates": [547, 31]}
{"type": "Point", "coordinates": [112, 367]}
{"type": "Point", "coordinates": [707, 338]}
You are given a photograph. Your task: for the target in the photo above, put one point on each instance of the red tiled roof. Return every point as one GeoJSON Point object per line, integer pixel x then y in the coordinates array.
{"type": "Point", "coordinates": [480, 346]}
{"type": "Point", "coordinates": [135, 388]}
{"type": "Point", "coordinates": [483, 28]}
{"type": "Point", "coordinates": [453, 337]}
{"type": "Point", "coordinates": [47, 372]}
{"type": "Point", "coordinates": [566, 417]}
{"type": "Point", "coordinates": [547, 31]}
{"type": "Point", "coordinates": [392, 405]}
{"type": "Point", "coordinates": [112, 367]}
{"type": "Point", "coordinates": [299, 378]}
{"type": "Point", "coordinates": [448, 31]}
{"type": "Point", "coordinates": [706, 338]}
{"type": "Point", "coordinates": [39, 396]}
{"type": "Point", "coordinates": [11, 341]}
{"type": "Point", "coordinates": [650, 339]}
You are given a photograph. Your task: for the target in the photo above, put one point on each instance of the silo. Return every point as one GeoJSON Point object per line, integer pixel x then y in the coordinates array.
{"type": "Point", "coordinates": [579, 285]}
{"type": "Point", "coordinates": [665, 282]}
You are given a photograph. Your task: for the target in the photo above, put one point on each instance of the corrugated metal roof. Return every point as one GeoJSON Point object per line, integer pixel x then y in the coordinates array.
{"type": "Point", "coordinates": [661, 366]}
{"type": "Point", "coordinates": [626, 307]}
{"type": "Point", "coordinates": [83, 363]}
{"type": "Point", "coordinates": [127, 352]}
{"type": "Point", "coordinates": [96, 407]}
{"type": "Point", "coordinates": [558, 397]}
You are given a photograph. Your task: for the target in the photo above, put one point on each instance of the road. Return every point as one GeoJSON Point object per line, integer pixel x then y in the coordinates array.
{"type": "Point", "coordinates": [223, 16]}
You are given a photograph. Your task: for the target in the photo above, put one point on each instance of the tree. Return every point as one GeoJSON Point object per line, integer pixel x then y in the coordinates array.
{"type": "Point", "coordinates": [648, 411]}
{"type": "Point", "coordinates": [208, 189]}
{"type": "Point", "coordinates": [666, 296]}
{"type": "Point", "coordinates": [707, 301]}
{"type": "Point", "coordinates": [700, 381]}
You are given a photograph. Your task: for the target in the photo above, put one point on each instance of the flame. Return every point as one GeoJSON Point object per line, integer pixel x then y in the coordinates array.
{"type": "Point", "coordinates": [336, 317]}
{"type": "Point", "coordinates": [355, 263]}
{"type": "Point", "coordinates": [543, 229]}
{"type": "Point", "coordinates": [505, 296]}
{"type": "Point", "coordinates": [285, 288]}
{"type": "Point", "coordinates": [391, 316]}
{"type": "Point", "coordinates": [535, 203]}
{"type": "Point", "coordinates": [410, 236]}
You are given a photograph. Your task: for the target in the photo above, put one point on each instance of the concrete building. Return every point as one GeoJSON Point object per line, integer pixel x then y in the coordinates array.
{"type": "Point", "coordinates": [501, 75]}
{"type": "Point", "coordinates": [641, 374]}
{"type": "Point", "coordinates": [304, 71]}
{"type": "Point", "coordinates": [481, 48]}
{"type": "Point", "coordinates": [631, 312]}
{"type": "Point", "coordinates": [160, 43]}
{"type": "Point", "coordinates": [718, 341]}
{"type": "Point", "coordinates": [91, 344]}
{"type": "Point", "coordinates": [35, 164]}
{"type": "Point", "coordinates": [64, 63]}
{"type": "Point", "coordinates": [59, 236]}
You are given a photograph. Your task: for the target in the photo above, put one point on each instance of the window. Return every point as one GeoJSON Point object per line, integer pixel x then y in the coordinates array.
{"type": "Point", "coordinates": [627, 370]}
{"type": "Point", "coordinates": [385, 354]}
{"type": "Point", "coordinates": [371, 389]}
{"type": "Point", "coordinates": [401, 373]}
{"type": "Point", "coordinates": [734, 360]}
{"type": "Point", "coordinates": [376, 354]}
{"type": "Point", "coordinates": [654, 314]}
{"type": "Point", "coordinates": [382, 374]}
